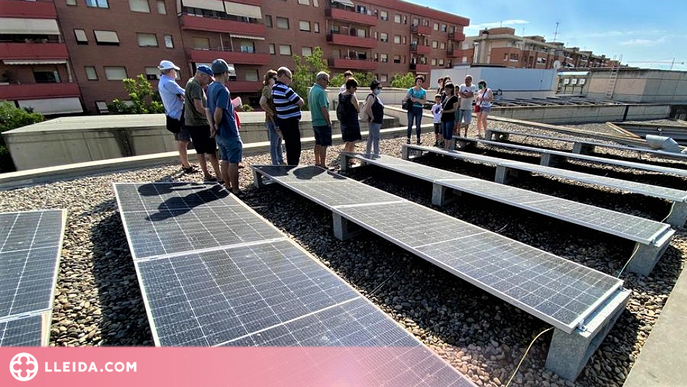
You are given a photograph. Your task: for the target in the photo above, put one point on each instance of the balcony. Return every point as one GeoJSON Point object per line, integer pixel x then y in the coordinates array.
{"type": "Point", "coordinates": [38, 91]}
{"type": "Point", "coordinates": [28, 9]}
{"type": "Point", "coordinates": [351, 41]}
{"type": "Point", "coordinates": [420, 49]}
{"type": "Point", "coordinates": [24, 51]}
{"type": "Point", "coordinates": [357, 64]}
{"type": "Point", "coordinates": [236, 57]}
{"type": "Point", "coordinates": [420, 68]}
{"type": "Point", "coordinates": [350, 16]}
{"type": "Point", "coordinates": [421, 30]}
{"type": "Point", "coordinates": [457, 36]}
{"type": "Point", "coordinates": [243, 86]}
{"type": "Point", "coordinates": [197, 23]}
{"type": "Point", "coordinates": [455, 53]}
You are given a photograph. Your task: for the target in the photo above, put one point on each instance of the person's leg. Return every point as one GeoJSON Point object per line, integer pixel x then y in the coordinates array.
{"type": "Point", "coordinates": [418, 124]}
{"type": "Point", "coordinates": [215, 164]}
{"type": "Point", "coordinates": [183, 153]}
{"type": "Point", "coordinates": [203, 165]}
{"type": "Point", "coordinates": [275, 142]}
{"type": "Point", "coordinates": [410, 124]}
{"type": "Point", "coordinates": [317, 154]}
{"type": "Point", "coordinates": [468, 120]}
{"type": "Point", "coordinates": [292, 139]}
{"type": "Point", "coordinates": [225, 174]}
{"type": "Point", "coordinates": [484, 122]}
{"type": "Point", "coordinates": [323, 156]}
{"type": "Point", "coordinates": [234, 177]}
{"type": "Point", "coordinates": [374, 136]}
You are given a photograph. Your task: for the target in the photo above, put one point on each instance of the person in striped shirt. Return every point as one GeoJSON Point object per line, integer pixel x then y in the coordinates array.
{"type": "Point", "coordinates": [288, 106]}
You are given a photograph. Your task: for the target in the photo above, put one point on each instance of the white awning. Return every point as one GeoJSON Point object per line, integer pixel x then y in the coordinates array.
{"type": "Point", "coordinates": [54, 105]}
{"type": "Point", "coordinates": [244, 10]}
{"type": "Point", "coordinates": [106, 36]}
{"type": "Point", "coordinates": [247, 37]}
{"type": "Point", "coordinates": [213, 5]}
{"type": "Point", "coordinates": [34, 61]}
{"type": "Point", "coordinates": [29, 26]}
{"type": "Point", "coordinates": [347, 3]}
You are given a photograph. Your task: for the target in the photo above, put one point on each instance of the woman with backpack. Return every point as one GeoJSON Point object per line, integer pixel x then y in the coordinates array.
{"type": "Point", "coordinates": [347, 112]}
{"type": "Point", "coordinates": [416, 99]}
{"type": "Point", "coordinates": [483, 106]}
{"type": "Point", "coordinates": [374, 112]}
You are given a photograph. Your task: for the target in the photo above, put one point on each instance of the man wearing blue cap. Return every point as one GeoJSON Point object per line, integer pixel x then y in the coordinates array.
{"type": "Point", "coordinates": [196, 121]}
{"type": "Point", "coordinates": [223, 126]}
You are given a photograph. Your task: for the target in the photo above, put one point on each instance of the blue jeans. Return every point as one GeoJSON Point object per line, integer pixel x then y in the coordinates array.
{"type": "Point", "coordinates": [275, 144]}
{"type": "Point", "coordinates": [414, 114]}
{"type": "Point", "coordinates": [447, 128]}
{"type": "Point", "coordinates": [373, 138]}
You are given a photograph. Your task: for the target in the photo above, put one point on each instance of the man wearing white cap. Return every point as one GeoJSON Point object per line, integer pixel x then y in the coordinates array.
{"type": "Point", "coordinates": [173, 99]}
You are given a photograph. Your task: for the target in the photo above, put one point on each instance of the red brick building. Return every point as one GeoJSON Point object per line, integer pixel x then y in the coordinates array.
{"type": "Point", "coordinates": [89, 46]}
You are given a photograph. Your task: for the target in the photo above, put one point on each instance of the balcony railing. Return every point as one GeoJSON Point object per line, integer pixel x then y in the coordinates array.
{"type": "Point", "coordinates": [237, 57]}
{"type": "Point", "coordinates": [455, 53]}
{"type": "Point", "coordinates": [421, 30]}
{"type": "Point", "coordinates": [420, 68]}
{"type": "Point", "coordinates": [24, 51]}
{"type": "Point", "coordinates": [457, 36]}
{"type": "Point", "coordinates": [38, 91]}
{"type": "Point", "coordinates": [357, 64]}
{"type": "Point", "coordinates": [243, 86]}
{"type": "Point", "coordinates": [350, 16]}
{"type": "Point", "coordinates": [420, 49]}
{"type": "Point", "coordinates": [351, 41]}
{"type": "Point", "coordinates": [28, 9]}
{"type": "Point", "coordinates": [197, 23]}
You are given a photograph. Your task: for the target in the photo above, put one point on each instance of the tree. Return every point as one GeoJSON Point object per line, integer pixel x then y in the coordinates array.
{"type": "Point", "coordinates": [307, 68]}
{"type": "Point", "coordinates": [142, 98]}
{"type": "Point", "coordinates": [364, 79]}
{"type": "Point", "coordinates": [403, 81]}
{"type": "Point", "coordinates": [12, 117]}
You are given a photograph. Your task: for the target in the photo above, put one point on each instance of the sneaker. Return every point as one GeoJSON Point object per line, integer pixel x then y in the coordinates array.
{"type": "Point", "coordinates": [189, 169]}
{"type": "Point", "coordinates": [241, 166]}
{"type": "Point", "coordinates": [419, 142]}
{"type": "Point", "coordinates": [408, 140]}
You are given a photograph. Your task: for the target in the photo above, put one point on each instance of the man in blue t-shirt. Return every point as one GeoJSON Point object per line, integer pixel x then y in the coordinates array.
{"type": "Point", "coordinates": [223, 126]}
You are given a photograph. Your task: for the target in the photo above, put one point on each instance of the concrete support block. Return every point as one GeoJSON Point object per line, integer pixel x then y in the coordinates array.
{"type": "Point", "coordinates": [343, 162]}
{"type": "Point", "coordinates": [489, 134]}
{"type": "Point", "coordinates": [582, 148]}
{"type": "Point", "coordinates": [646, 256]}
{"type": "Point", "coordinates": [441, 195]}
{"type": "Point", "coordinates": [569, 352]}
{"type": "Point", "coordinates": [343, 228]}
{"type": "Point", "coordinates": [549, 160]}
{"type": "Point", "coordinates": [505, 175]}
{"type": "Point", "coordinates": [258, 179]}
{"type": "Point", "coordinates": [678, 215]}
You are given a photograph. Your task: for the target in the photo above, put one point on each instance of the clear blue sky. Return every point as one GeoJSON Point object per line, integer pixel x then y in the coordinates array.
{"type": "Point", "coordinates": [637, 30]}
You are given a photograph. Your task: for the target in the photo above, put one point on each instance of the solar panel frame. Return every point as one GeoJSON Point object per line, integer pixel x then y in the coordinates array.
{"type": "Point", "coordinates": [27, 331]}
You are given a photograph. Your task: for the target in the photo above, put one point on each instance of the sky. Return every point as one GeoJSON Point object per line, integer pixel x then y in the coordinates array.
{"type": "Point", "coordinates": [648, 34]}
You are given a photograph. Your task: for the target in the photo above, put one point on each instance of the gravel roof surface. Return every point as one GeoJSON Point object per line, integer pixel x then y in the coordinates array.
{"type": "Point", "coordinates": [98, 301]}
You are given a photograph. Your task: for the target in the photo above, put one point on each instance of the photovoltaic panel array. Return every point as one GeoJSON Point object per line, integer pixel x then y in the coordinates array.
{"type": "Point", "coordinates": [214, 273]}
{"type": "Point", "coordinates": [552, 288]}
{"type": "Point", "coordinates": [30, 245]}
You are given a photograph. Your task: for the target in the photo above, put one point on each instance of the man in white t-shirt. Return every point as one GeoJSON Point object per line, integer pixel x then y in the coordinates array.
{"type": "Point", "coordinates": [466, 92]}
{"type": "Point", "coordinates": [347, 75]}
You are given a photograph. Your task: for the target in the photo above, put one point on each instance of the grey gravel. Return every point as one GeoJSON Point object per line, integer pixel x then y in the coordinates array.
{"type": "Point", "coordinates": [98, 300]}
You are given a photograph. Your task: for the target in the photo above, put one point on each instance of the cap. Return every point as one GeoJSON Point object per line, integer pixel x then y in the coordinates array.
{"type": "Point", "coordinates": [205, 70]}
{"type": "Point", "coordinates": [375, 84]}
{"type": "Point", "coordinates": [348, 72]}
{"type": "Point", "coordinates": [219, 66]}
{"type": "Point", "coordinates": [167, 65]}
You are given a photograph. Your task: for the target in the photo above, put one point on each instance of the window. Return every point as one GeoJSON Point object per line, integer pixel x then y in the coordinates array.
{"type": "Point", "coordinates": [71, 2]}
{"type": "Point", "coordinates": [115, 73]}
{"type": "Point", "coordinates": [384, 58]}
{"type": "Point", "coordinates": [416, 21]}
{"type": "Point", "coordinates": [397, 59]}
{"type": "Point", "coordinates": [404, 39]}
{"type": "Point", "coordinates": [435, 44]}
{"type": "Point", "coordinates": [252, 75]}
{"type": "Point", "coordinates": [443, 28]}
{"type": "Point", "coordinates": [384, 15]}
{"type": "Point", "coordinates": [505, 56]}
{"type": "Point", "coordinates": [139, 6]}
{"type": "Point", "coordinates": [376, 35]}
{"type": "Point", "coordinates": [436, 26]}
{"type": "Point", "coordinates": [268, 21]}
{"type": "Point", "coordinates": [383, 37]}
{"type": "Point", "coordinates": [272, 49]}
{"type": "Point", "coordinates": [383, 77]}
{"type": "Point", "coordinates": [397, 18]}
{"type": "Point", "coordinates": [405, 19]}
{"type": "Point", "coordinates": [152, 73]}
{"type": "Point", "coordinates": [169, 41]}
{"type": "Point", "coordinates": [304, 25]}
{"type": "Point", "coordinates": [284, 49]}
{"type": "Point", "coordinates": [161, 8]}
{"type": "Point", "coordinates": [282, 23]}
{"type": "Point", "coordinates": [316, 27]}
{"type": "Point", "coordinates": [106, 37]}
{"type": "Point", "coordinates": [442, 46]}
{"type": "Point", "coordinates": [91, 74]}
{"type": "Point", "coordinates": [441, 62]}
{"type": "Point", "coordinates": [101, 106]}
{"type": "Point", "coordinates": [397, 39]}
{"type": "Point", "coordinates": [433, 62]}
{"type": "Point", "coordinates": [97, 3]}
{"type": "Point", "coordinates": [306, 51]}
{"type": "Point", "coordinates": [201, 43]}
{"type": "Point", "coordinates": [81, 37]}
{"type": "Point", "coordinates": [147, 40]}
{"type": "Point", "coordinates": [304, 2]}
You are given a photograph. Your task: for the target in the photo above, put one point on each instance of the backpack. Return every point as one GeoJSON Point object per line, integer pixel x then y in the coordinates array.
{"type": "Point", "coordinates": [341, 108]}
{"type": "Point", "coordinates": [363, 110]}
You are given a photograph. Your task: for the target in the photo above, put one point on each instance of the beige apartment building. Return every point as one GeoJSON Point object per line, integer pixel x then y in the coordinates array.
{"type": "Point", "coordinates": [70, 56]}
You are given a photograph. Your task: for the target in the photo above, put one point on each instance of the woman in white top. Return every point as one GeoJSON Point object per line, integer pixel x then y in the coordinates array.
{"type": "Point", "coordinates": [483, 101]}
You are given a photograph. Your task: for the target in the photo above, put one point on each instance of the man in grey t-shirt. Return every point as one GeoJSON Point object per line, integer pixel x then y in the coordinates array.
{"type": "Point", "coordinates": [466, 92]}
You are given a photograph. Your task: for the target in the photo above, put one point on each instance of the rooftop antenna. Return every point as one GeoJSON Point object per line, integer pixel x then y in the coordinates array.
{"type": "Point", "coordinates": [555, 33]}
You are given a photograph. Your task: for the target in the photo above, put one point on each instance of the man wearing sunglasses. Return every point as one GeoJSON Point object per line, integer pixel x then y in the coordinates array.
{"type": "Point", "coordinates": [288, 106]}
{"type": "Point", "coordinates": [321, 123]}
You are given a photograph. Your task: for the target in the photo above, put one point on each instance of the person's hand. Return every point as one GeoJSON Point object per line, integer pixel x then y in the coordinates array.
{"type": "Point", "coordinates": [213, 131]}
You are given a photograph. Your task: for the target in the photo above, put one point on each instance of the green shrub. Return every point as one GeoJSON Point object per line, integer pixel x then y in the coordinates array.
{"type": "Point", "coordinates": [403, 81]}
{"type": "Point", "coordinates": [142, 98]}
{"type": "Point", "coordinates": [12, 117]}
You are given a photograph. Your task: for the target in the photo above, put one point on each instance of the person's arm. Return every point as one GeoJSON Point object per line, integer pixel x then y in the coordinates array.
{"type": "Point", "coordinates": [354, 101]}
{"type": "Point", "coordinates": [453, 108]}
{"type": "Point", "coordinates": [217, 117]}
{"type": "Point", "coordinates": [266, 107]}
{"type": "Point", "coordinates": [221, 103]}
{"type": "Point", "coordinates": [211, 122]}
{"type": "Point", "coordinates": [422, 99]}
{"type": "Point", "coordinates": [198, 104]}
{"type": "Point", "coordinates": [368, 106]}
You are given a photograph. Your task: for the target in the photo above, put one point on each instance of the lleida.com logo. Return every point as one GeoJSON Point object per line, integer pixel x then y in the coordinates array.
{"type": "Point", "coordinates": [24, 367]}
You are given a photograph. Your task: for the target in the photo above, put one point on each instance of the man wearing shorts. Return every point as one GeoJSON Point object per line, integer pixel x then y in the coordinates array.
{"type": "Point", "coordinates": [466, 92]}
{"type": "Point", "coordinates": [172, 96]}
{"type": "Point", "coordinates": [223, 126]}
{"type": "Point", "coordinates": [196, 121]}
{"type": "Point", "coordinates": [321, 123]}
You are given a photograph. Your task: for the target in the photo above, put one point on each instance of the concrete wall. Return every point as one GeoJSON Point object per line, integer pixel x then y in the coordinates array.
{"type": "Point", "coordinates": [583, 114]}
{"type": "Point", "coordinates": [514, 83]}
{"type": "Point", "coordinates": [640, 85]}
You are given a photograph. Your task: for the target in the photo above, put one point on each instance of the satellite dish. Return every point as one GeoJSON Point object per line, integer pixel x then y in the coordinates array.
{"type": "Point", "coordinates": [557, 64]}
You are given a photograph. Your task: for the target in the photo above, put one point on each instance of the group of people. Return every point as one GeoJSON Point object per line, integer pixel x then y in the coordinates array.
{"type": "Point", "coordinates": [204, 114]}
{"type": "Point", "coordinates": [452, 109]}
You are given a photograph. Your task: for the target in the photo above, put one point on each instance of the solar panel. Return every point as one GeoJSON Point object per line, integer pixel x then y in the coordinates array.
{"type": "Point", "coordinates": [252, 286]}
{"type": "Point", "coordinates": [25, 332]}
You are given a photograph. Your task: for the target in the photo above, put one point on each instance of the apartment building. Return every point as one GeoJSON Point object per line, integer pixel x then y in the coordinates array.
{"type": "Point", "coordinates": [501, 47]}
{"type": "Point", "coordinates": [94, 44]}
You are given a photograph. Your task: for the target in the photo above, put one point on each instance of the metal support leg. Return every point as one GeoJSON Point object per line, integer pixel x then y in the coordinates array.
{"type": "Point", "coordinates": [343, 162]}
{"type": "Point", "coordinates": [258, 179]}
{"type": "Point", "coordinates": [549, 160]}
{"type": "Point", "coordinates": [343, 228]}
{"type": "Point", "coordinates": [405, 152]}
{"type": "Point", "coordinates": [504, 175]}
{"type": "Point", "coordinates": [582, 148]}
{"type": "Point", "coordinates": [441, 195]}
